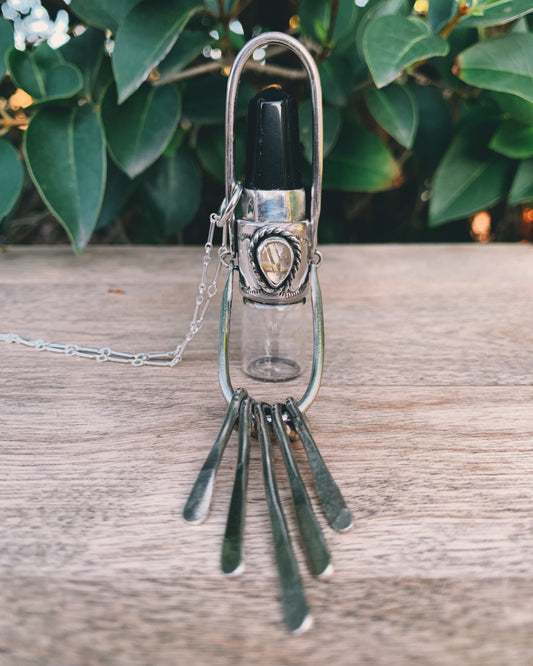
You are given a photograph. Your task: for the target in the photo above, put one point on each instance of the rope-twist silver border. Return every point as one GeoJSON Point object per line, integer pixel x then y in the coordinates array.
{"type": "Point", "coordinates": [262, 234]}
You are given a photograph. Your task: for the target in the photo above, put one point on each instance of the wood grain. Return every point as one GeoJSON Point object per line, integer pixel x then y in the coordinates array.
{"type": "Point", "coordinates": [424, 419]}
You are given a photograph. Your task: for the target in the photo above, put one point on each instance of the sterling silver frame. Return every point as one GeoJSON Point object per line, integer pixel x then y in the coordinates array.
{"type": "Point", "coordinates": [293, 45]}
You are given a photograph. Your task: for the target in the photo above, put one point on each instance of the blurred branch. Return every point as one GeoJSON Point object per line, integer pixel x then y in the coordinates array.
{"type": "Point", "coordinates": [239, 7]}
{"type": "Point", "coordinates": [326, 48]}
{"type": "Point", "coordinates": [210, 67]}
{"type": "Point", "coordinates": [13, 122]}
{"type": "Point", "coordinates": [359, 205]}
{"type": "Point", "coordinates": [424, 80]}
{"type": "Point", "coordinates": [206, 68]}
{"type": "Point", "coordinates": [7, 122]}
{"type": "Point", "coordinates": [462, 10]}
{"type": "Point", "coordinates": [361, 87]}
{"type": "Point", "coordinates": [276, 70]}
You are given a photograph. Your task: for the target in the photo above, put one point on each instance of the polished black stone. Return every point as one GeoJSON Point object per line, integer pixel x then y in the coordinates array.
{"type": "Point", "coordinates": [273, 154]}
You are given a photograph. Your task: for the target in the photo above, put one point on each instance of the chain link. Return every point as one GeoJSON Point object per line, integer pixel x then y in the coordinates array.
{"type": "Point", "coordinates": [205, 294]}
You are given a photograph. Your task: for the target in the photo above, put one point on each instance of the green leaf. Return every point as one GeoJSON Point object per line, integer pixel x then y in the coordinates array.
{"type": "Point", "coordinates": [513, 140]}
{"type": "Point", "coordinates": [336, 77]}
{"type": "Point", "coordinates": [43, 74]}
{"type": "Point", "coordinates": [520, 25]}
{"type": "Point", "coordinates": [314, 18]}
{"type": "Point", "coordinates": [175, 142]}
{"type": "Point", "coordinates": [469, 178]}
{"type": "Point", "coordinates": [515, 107]}
{"type": "Point", "coordinates": [28, 69]}
{"type": "Point", "coordinates": [172, 189]}
{"type": "Point", "coordinates": [102, 13]}
{"type": "Point", "coordinates": [188, 46]}
{"type": "Point", "coordinates": [6, 42]}
{"type": "Point", "coordinates": [345, 22]}
{"type": "Point", "coordinates": [11, 177]}
{"type": "Point", "coordinates": [359, 162]}
{"type": "Point", "coordinates": [339, 74]}
{"type": "Point", "coordinates": [86, 52]}
{"type": "Point", "coordinates": [102, 80]}
{"type": "Point", "coordinates": [145, 37]}
{"type": "Point", "coordinates": [316, 15]}
{"type": "Point", "coordinates": [522, 187]}
{"type": "Point", "coordinates": [65, 153]}
{"type": "Point", "coordinates": [139, 130]}
{"type": "Point", "coordinates": [395, 109]}
{"type": "Point", "coordinates": [458, 41]}
{"type": "Point", "coordinates": [118, 189]}
{"type": "Point", "coordinates": [392, 43]}
{"type": "Point", "coordinates": [204, 100]}
{"type": "Point", "coordinates": [435, 127]}
{"type": "Point", "coordinates": [211, 149]}
{"type": "Point", "coordinates": [504, 64]}
{"type": "Point", "coordinates": [440, 12]}
{"type": "Point", "coordinates": [495, 13]}
{"type": "Point", "coordinates": [332, 122]}
{"type": "Point", "coordinates": [61, 82]}
{"type": "Point", "coordinates": [374, 9]}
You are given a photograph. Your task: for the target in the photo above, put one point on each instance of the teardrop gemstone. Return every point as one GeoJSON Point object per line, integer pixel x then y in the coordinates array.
{"type": "Point", "coordinates": [275, 257]}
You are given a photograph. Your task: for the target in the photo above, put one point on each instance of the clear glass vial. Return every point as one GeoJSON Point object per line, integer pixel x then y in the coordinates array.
{"type": "Point", "coordinates": [274, 340]}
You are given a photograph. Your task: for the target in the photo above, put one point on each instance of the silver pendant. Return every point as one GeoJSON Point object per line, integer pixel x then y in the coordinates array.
{"type": "Point", "coordinates": [273, 249]}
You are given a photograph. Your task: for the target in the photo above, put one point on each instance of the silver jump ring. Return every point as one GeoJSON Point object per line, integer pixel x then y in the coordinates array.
{"type": "Point", "coordinates": [226, 209]}
{"type": "Point", "coordinates": [317, 258]}
{"type": "Point", "coordinates": [223, 255]}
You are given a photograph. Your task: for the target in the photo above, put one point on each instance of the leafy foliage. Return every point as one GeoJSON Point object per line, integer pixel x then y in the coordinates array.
{"type": "Point", "coordinates": [69, 168]}
{"type": "Point", "coordinates": [43, 74]}
{"type": "Point", "coordinates": [139, 130]}
{"type": "Point", "coordinates": [428, 112]}
{"type": "Point", "coordinates": [502, 64]}
{"type": "Point", "coordinates": [10, 177]}
{"type": "Point", "coordinates": [359, 161]}
{"type": "Point", "coordinates": [396, 111]}
{"type": "Point", "coordinates": [392, 43]}
{"type": "Point", "coordinates": [468, 178]}
{"type": "Point", "coordinates": [144, 37]}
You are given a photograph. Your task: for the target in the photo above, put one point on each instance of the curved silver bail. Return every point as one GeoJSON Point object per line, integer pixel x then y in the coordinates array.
{"type": "Point", "coordinates": [293, 45]}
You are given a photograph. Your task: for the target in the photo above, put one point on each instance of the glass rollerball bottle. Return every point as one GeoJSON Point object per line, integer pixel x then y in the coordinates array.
{"type": "Point", "coordinates": [274, 241]}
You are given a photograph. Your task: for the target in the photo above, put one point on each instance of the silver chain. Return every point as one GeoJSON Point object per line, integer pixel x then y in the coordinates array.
{"type": "Point", "coordinates": [205, 294]}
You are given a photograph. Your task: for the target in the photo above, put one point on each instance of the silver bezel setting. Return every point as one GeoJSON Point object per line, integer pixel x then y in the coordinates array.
{"type": "Point", "coordinates": [262, 235]}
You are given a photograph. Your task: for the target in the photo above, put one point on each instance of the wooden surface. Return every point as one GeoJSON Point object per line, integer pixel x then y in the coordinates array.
{"type": "Point", "coordinates": [424, 417]}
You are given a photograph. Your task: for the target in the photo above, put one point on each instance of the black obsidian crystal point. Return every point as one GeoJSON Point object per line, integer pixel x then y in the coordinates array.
{"type": "Point", "coordinates": [273, 153]}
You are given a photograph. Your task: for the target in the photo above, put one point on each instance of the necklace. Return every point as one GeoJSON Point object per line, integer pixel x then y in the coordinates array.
{"type": "Point", "coordinates": [207, 290]}
{"type": "Point", "coordinates": [272, 247]}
